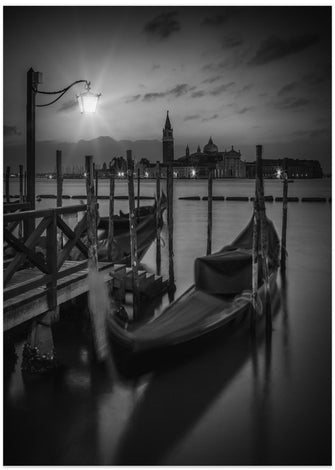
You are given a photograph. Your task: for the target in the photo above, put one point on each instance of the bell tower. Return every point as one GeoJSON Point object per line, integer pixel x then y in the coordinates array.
{"type": "Point", "coordinates": [168, 146]}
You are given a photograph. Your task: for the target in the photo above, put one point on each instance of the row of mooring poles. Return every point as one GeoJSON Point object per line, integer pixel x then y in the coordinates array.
{"type": "Point", "coordinates": [22, 184]}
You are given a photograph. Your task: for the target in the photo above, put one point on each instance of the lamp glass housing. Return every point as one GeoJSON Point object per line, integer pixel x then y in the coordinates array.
{"type": "Point", "coordinates": [88, 102]}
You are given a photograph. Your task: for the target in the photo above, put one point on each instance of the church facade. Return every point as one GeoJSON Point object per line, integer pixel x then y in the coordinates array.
{"type": "Point", "coordinates": [225, 164]}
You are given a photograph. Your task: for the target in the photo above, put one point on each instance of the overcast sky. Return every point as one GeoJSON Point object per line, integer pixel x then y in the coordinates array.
{"type": "Point", "coordinates": [242, 75]}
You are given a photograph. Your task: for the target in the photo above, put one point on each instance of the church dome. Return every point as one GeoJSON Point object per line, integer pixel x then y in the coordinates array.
{"type": "Point", "coordinates": [211, 147]}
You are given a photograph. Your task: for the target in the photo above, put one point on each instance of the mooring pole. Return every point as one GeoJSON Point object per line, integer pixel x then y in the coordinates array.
{"type": "Point", "coordinates": [158, 218]}
{"type": "Point", "coordinates": [133, 236]}
{"type": "Point", "coordinates": [255, 251]}
{"type": "Point", "coordinates": [91, 215]}
{"type": "Point", "coordinates": [210, 216]}
{"type": "Point", "coordinates": [138, 192]}
{"type": "Point", "coordinates": [7, 183]}
{"type": "Point", "coordinates": [111, 212]}
{"type": "Point", "coordinates": [169, 181]}
{"type": "Point", "coordinates": [98, 305]}
{"type": "Point", "coordinates": [25, 186]}
{"type": "Point", "coordinates": [59, 176]}
{"type": "Point", "coordinates": [284, 223]}
{"type": "Point", "coordinates": [21, 183]}
{"type": "Point", "coordinates": [96, 176]}
{"type": "Point", "coordinates": [21, 196]}
{"type": "Point", "coordinates": [264, 239]}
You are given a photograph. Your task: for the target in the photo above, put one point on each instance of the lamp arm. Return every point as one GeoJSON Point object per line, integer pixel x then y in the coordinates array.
{"type": "Point", "coordinates": [60, 92]}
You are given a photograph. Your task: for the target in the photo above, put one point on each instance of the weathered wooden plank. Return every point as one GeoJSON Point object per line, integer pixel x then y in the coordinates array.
{"type": "Point", "coordinates": [37, 214]}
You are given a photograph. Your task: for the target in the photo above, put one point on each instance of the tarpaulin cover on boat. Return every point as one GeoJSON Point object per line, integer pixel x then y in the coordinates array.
{"type": "Point", "coordinates": [229, 271]}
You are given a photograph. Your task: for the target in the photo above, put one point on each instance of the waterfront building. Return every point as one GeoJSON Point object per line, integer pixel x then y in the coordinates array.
{"type": "Point", "coordinates": [296, 168]}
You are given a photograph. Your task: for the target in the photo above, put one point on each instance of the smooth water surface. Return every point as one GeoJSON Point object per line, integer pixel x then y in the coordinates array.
{"type": "Point", "coordinates": [236, 401]}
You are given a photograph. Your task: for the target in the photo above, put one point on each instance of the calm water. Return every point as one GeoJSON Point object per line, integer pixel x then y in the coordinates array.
{"type": "Point", "coordinates": [235, 402]}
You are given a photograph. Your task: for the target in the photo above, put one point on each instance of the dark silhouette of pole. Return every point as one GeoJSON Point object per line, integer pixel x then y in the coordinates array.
{"type": "Point", "coordinates": [21, 183]}
{"type": "Point", "coordinates": [133, 236]}
{"type": "Point", "coordinates": [111, 212]}
{"type": "Point", "coordinates": [138, 192]}
{"type": "Point", "coordinates": [158, 219]}
{"type": "Point", "coordinates": [7, 184]}
{"type": "Point", "coordinates": [21, 196]}
{"type": "Point", "coordinates": [91, 215]}
{"type": "Point", "coordinates": [264, 238]}
{"type": "Point", "coordinates": [210, 215]}
{"type": "Point", "coordinates": [59, 176]}
{"type": "Point", "coordinates": [32, 82]}
{"type": "Point", "coordinates": [169, 180]}
{"type": "Point", "coordinates": [284, 220]}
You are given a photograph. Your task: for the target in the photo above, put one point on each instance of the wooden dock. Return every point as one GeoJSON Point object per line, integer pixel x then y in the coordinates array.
{"type": "Point", "coordinates": [35, 283]}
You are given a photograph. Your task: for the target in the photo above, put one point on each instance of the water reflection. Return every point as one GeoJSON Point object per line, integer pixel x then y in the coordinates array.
{"type": "Point", "coordinates": [165, 415]}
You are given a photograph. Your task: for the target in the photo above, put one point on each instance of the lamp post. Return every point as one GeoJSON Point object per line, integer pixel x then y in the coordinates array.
{"type": "Point", "coordinates": [87, 103]}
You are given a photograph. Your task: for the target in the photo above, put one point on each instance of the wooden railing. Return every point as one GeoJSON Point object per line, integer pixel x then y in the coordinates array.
{"type": "Point", "coordinates": [50, 260]}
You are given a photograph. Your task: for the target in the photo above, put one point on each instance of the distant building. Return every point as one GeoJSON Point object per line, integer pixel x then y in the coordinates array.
{"type": "Point", "coordinates": [296, 168]}
{"type": "Point", "coordinates": [226, 164]}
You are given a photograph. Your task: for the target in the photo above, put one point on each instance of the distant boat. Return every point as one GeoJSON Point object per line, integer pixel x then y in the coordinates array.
{"type": "Point", "coordinates": [222, 294]}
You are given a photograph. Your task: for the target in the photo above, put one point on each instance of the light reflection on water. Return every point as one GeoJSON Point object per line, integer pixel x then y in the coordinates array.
{"type": "Point", "coordinates": [236, 402]}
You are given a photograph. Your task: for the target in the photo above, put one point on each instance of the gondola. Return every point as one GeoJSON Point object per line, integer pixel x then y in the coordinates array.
{"type": "Point", "coordinates": [221, 294]}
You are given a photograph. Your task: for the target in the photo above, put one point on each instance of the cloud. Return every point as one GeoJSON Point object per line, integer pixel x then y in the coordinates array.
{"type": "Point", "coordinates": [287, 88]}
{"type": "Point", "coordinates": [215, 92]}
{"type": "Point", "coordinates": [156, 66]}
{"type": "Point", "coordinates": [133, 98]}
{"type": "Point", "coordinates": [162, 26]}
{"type": "Point", "coordinates": [221, 18]}
{"type": "Point", "coordinates": [176, 91]}
{"type": "Point", "coordinates": [192, 117]}
{"type": "Point", "coordinates": [245, 110]}
{"type": "Point", "coordinates": [212, 79]}
{"type": "Point", "coordinates": [232, 40]}
{"type": "Point", "coordinates": [275, 48]}
{"type": "Point", "coordinates": [215, 116]}
{"type": "Point", "coordinates": [198, 94]}
{"type": "Point", "coordinates": [221, 89]}
{"type": "Point", "coordinates": [10, 130]}
{"type": "Point", "coordinates": [68, 105]}
{"type": "Point", "coordinates": [291, 103]}
{"type": "Point", "coordinates": [245, 88]}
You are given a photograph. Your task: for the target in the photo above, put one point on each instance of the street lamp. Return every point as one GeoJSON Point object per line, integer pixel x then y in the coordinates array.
{"type": "Point", "coordinates": [87, 103]}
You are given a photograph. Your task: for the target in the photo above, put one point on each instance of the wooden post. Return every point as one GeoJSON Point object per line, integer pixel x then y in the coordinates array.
{"type": "Point", "coordinates": [111, 212]}
{"type": "Point", "coordinates": [91, 215]}
{"type": "Point", "coordinates": [25, 186]}
{"type": "Point", "coordinates": [158, 219]}
{"type": "Point", "coordinates": [98, 301]}
{"type": "Point", "coordinates": [59, 179]}
{"type": "Point", "coordinates": [21, 183]}
{"type": "Point", "coordinates": [59, 176]}
{"type": "Point", "coordinates": [255, 252]}
{"type": "Point", "coordinates": [96, 173]}
{"type": "Point", "coordinates": [169, 181]}
{"type": "Point", "coordinates": [210, 217]}
{"type": "Point", "coordinates": [284, 223]}
{"type": "Point", "coordinates": [21, 196]}
{"type": "Point", "coordinates": [7, 183]}
{"type": "Point", "coordinates": [138, 192]}
{"type": "Point", "coordinates": [133, 236]}
{"type": "Point", "coordinates": [264, 238]}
